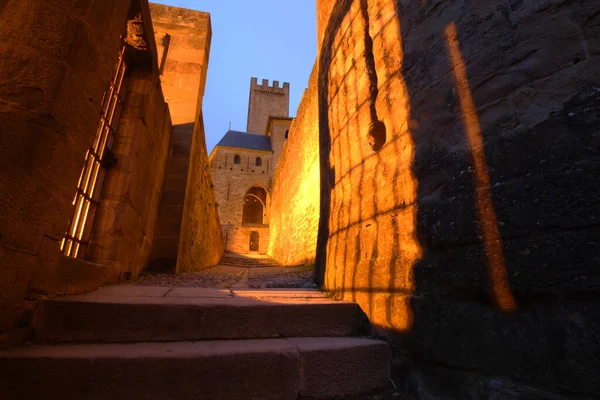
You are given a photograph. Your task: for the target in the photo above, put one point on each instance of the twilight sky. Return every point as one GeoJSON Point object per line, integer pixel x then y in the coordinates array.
{"type": "Point", "coordinates": [267, 39]}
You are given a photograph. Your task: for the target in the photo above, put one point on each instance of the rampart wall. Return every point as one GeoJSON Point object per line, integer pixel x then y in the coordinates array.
{"type": "Point", "coordinates": [460, 204]}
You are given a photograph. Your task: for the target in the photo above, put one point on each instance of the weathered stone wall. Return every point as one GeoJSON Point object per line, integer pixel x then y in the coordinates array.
{"type": "Point", "coordinates": [295, 205]}
{"type": "Point", "coordinates": [201, 245]}
{"type": "Point", "coordinates": [56, 61]}
{"type": "Point", "coordinates": [277, 130]}
{"type": "Point", "coordinates": [470, 237]}
{"type": "Point", "coordinates": [183, 40]}
{"type": "Point", "coordinates": [127, 215]}
{"type": "Point", "coordinates": [231, 183]}
{"type": "Point", "coordinates": [266, 101]}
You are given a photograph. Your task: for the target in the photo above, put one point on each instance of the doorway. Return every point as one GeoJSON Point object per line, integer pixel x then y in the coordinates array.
{"type": "Point", "coordinates": [254, 241]}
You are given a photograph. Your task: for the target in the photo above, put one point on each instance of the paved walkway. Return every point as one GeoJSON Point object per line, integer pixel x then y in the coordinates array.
{"type": "Point", "coordinates": [238, 272]}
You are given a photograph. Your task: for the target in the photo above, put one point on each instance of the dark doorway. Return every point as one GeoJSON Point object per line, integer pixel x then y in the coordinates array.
{"type": "Point", "coordinates": [254, 206]}
{"type": "Point", "coordinates": [253, 241]}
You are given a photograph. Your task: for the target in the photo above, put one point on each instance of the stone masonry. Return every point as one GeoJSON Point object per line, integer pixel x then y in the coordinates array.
{"type": "Point", "coordinates": [266, 101]}
{"type": "Point", "coordinates": [257, 156]}
{"type": "Point", "coordinates": [442, 173]}
{"type": "Point", "coordinates": [183, 40]}
{"type": "Point", "coordinates": [295, 205]}
{"type": "Point", "coordinates": [459, 196]}
{"type": "Point", "coordinates": [57, 62]}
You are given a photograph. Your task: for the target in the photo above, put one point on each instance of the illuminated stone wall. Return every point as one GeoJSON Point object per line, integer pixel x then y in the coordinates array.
{"type": "Point", "coordinates": [295, 204]}
{"type": "Point", "coordinates": [56, 61]}
{"type": "Point", "coordinates": [466, 226]}
{"type": "Point", "coordinates": [183, 39]}
{"type": "Point", "coordinates": [200, 245]}
{"type": "Point", "coordinates": [131, 191]}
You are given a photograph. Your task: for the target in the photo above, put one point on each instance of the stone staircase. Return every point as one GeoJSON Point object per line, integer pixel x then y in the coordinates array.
{"type": "Point", "coordinates": [140, 342]}
{"type": "Point", "coordinates": [237, 260]}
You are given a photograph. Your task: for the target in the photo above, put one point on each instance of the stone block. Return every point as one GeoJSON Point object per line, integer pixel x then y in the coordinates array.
{"type": "Point", "coordinates": [199, 293]}
{"type": "Point", "coordinates": [170, 213]}
{"type": "Point", "coordinates": [557, 198]}
{"type": "Point", "coordinates": [31, 209]}
{"type": "Point", "coordinates": [107, 22]}
{"type": "Point", "coordinates": [165, 246]}
{"type": "Point", "coordinates": [169, 228]}
{"type": "Point", "coordinates": [14, 337]}
{"type": "Point", "coordinates": [177, 166]}
{"type": "Point", "coordinates": [40, 27]}
{"type": "Point", "coordinates": [175, 183]}
{"type": "Point", "coordinates": [77, 109]}
{"type": "Point", "coordinates": [477, 337]}
{"type": "Point", "coordinates": [440, 382]}
{"type": "Point", "coordinates": [511, 155]}
{"type": "Point", "coordinates": [32, 80]}
{"type": "Point", "coordinates": [180, 150]}
{"type": "Point", "coordinates": [436, 382]}
{"type": "Point", "coordinates": [118, 291]}
{"type": "Point", "coordinates": [56, 274]}
{"type": "Point", "coordinates": [342, 366]}
{"type": "Point", "coordinates": [183, 133]}
{"type": "Point", "coordinates": [263, 369]}
{"type": "Point", "coordinates": [555, 263]}
{"type": "Point", "coordinates": [75, 7]}
{"type": "Point", "coordinates": [165, 264]}
{"type": "Point", "coordinates": [172, 198]}
{"type": "Point", "coordinates": [16, 269]}
{"type": "Point", "coordinates": [142, 315]}
{"type": "Point", "coordinates": [572, 329]}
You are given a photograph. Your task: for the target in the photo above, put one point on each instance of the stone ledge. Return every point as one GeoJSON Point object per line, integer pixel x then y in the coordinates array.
{"type": "Point", "coordinates": [266, 368]}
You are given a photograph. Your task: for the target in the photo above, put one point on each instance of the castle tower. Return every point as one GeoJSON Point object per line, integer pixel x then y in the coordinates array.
{"type": "Point", "coordinates": [266, 101]}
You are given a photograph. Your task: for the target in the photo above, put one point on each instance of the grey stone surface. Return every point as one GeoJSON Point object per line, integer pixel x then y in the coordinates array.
{"type": "Point", "coordinates": [139, 313]}
{"type": "Point", "coordinates": [255, 369]}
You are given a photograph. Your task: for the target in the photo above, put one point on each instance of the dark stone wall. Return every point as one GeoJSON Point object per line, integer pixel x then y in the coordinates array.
{"type": "Point", "coordinates": [471, 237]}
{"type": "Point", "coordinates": [56, 60]}
{"type": "Point", "coordinates": [126, 219]}
{"type": "Point", "coordinates": [201, 245]}
{"type": "Point", "coordinates": [183, 40]}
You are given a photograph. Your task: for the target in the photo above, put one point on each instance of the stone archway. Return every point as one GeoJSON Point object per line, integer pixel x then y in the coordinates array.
{"type": "Point", "coordinates": [255, 206]}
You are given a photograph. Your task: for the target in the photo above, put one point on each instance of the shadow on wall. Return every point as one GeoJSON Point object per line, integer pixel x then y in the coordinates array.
{"type": "Point", "coordinates": [463, 237]}
{"type": "Point", "coordinates": [166, 241]}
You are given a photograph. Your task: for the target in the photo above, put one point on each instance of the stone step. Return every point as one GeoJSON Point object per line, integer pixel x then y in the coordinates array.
{"type": "Point", "coordinates": [244, 264]}
{"type": "Point", "coordinates": [248, 262]}
{"type": "Point", "coordinates": [131, 313]}
{"type": "Point", "coordinates": [235, 369]}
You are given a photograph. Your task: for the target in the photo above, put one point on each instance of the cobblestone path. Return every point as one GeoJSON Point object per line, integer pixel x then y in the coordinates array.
{"type": "Point", "coordinates": [250, 272]}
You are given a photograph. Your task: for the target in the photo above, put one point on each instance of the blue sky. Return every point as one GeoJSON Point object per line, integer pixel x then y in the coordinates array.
{"type": "Point", "coordinates": [267, 39]}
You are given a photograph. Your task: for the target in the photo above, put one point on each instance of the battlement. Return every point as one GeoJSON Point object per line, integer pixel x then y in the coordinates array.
{"type": "Point", "coordinates": [254, 85]}
{"type": "Point", "coordinates": [266, 101]}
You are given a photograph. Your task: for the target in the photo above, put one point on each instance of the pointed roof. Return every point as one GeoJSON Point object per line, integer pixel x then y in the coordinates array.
{"type": "Point", "coordinates": [245, 140]}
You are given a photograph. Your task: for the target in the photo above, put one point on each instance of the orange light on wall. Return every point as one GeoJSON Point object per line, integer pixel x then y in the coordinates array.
{"type": "Point", "coordinates": [86, 196]}
{"type": "Point", "coordinates": [487, 217]}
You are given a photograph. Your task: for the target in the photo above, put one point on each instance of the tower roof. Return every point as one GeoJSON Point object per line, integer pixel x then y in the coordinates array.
{"type": "Point", "coordinates": [244, 140]}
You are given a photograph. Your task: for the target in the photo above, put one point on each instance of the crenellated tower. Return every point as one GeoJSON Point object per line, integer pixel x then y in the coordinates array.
{"type": "Point", "coordinates": [266, 101]}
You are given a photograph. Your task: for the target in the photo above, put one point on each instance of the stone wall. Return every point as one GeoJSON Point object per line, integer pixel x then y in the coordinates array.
{"type": "Point", "coordinates": [231, 182]}
{"type": "Point", "coordinates": [266, 101]}
{"type": "Point", "coordinates": [278, 129]}
{"type": "Point", "coordinates": [201, 245]}
{"type": "Point", "coordinates": [460, 205]}
{"type": "Point", "coordinates": [127, 215]}
{"type": "Point", "coordinates": [56, 60]}
{"type": "Point", "coordinates": [183, 40]}
{"type": "Point", "coordinates": [295, 205]}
